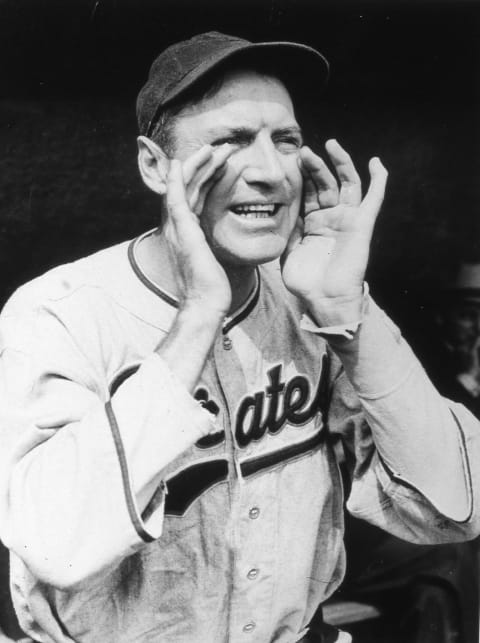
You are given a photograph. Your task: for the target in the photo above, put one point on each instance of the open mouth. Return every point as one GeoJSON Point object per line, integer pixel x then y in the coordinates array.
{"type": "Point", "coordinates": [256, 210]}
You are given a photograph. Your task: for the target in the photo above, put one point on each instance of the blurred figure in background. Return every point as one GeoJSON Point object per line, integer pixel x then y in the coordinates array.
{"type": "Point", "coordinates": [457, 315]}
{"type": "Point", "coordinates": [426, 594]}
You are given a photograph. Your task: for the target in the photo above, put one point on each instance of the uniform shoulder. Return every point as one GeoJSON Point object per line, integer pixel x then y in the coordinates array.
{"type": "Point", "coordinates": [64, 281]}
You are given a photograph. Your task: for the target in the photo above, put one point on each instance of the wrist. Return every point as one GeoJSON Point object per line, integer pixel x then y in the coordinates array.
{"type": "Point", "coordinates": [194, 317]}
{"type": "Point", "coordinates": [209, 306]}
{"type": "Point", "coordinates": [335, 311]}
{"type": "Point", "coordinates": [188, 343]}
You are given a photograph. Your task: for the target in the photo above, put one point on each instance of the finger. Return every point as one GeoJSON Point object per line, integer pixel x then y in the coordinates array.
{"type": "Point", "coordinates": [315, 168]}
{"type": "Point", "coordinates": [210, 173]}
{"type": "Point", "coordinates": [177, 205]}
{"type": "Point", "coordinates": [195, 162]}
{"type": "Point", "coordinates": [295, 238]}
{"type": "Point", "coordinates": [204, 170]}
{"type": "Point", "coordinates": [373, 200]}
{"type": "Point", "coordinates": [198, 202]}
{"type": "Point", "coordinates": [350, 184]}
{"type": "Point", "coordinates": [310, 196]}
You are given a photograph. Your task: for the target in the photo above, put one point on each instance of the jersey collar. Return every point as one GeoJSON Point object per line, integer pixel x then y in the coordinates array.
{"type": "Point", "coordinates": [240, 314]}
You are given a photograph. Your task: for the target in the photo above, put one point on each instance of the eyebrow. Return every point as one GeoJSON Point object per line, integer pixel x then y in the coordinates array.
{"type": "Point", "coordinates": [293, 129]}
{"type": "Point", "coordinates": [222, 131]}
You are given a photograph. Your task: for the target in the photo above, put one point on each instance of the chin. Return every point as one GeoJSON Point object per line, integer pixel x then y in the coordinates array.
{"type": "Point", "coordinates": [251, 253]}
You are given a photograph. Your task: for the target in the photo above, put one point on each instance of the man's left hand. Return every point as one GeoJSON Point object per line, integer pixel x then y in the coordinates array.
{"type": "Point", "coordinates": [327, 254]}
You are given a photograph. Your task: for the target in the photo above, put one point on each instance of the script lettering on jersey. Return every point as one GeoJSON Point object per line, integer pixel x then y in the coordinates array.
{"type": "Point", "coordinates": [270, 410]}
{"type": "Point", "coordinates": [214, 439]}
{"type": "Point", "coordinates": [279, 404]}
{"type": "Point", "coordinates": [267, 411]}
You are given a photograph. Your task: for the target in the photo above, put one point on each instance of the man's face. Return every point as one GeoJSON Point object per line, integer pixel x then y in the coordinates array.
{"type": "Point", "coordinates": [251, 210]}
{"type": "Point", "coordinates": [461, 323]}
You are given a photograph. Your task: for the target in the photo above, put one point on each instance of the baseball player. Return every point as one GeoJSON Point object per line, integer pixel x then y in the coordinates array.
{"type": "Point", "coordinates": [167, 473]}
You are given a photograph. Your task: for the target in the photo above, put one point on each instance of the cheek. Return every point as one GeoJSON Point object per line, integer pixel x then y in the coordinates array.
{"type": "Point", "coordinates": [295, 179]}
{"type": "Point", "coordinates": [215, 206]}
{"type": "Point", "coordinates": [296, 186]}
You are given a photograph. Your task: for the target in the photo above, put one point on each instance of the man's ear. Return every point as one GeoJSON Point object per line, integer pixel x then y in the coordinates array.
{"type": "Point", "coordinates": [153, 164]}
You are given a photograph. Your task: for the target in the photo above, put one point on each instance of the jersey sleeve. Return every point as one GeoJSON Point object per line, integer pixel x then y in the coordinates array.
{"type": "Point", "coordinates": [414, 456]}
{"type": "Point", "coordinates": [81, 472]}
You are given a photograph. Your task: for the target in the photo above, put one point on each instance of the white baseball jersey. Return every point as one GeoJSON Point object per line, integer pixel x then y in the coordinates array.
{"type": "Point", "coordinates": [129, 520]}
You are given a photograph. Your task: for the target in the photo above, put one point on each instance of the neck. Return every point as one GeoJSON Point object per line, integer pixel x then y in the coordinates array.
{"type": "Point", "coordinates": [242, 282]}
{"type": "Point", "coordinates": [153, 256]}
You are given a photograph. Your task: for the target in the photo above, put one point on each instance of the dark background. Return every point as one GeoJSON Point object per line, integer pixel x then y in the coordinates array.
{"type": "Point", "coordinates": [405, 86]}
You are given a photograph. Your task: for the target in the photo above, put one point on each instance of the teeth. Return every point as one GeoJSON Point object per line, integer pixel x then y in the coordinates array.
{"type": "Point", "coordinates": [255, 215]}
{"type": "Point", "coordinates": [255, 207]}
{"type": "Point", "coordinates": [255, 210]}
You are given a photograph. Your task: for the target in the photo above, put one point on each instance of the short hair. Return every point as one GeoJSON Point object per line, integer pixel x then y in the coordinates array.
{"type": "Point", "coordinates": [163, 132]}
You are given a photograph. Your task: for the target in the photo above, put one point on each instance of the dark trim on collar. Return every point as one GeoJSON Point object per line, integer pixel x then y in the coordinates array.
{"type": "Point", "coordinates": [235, 319]}
{"type": "Point", "coordinates": [246, 310]}
{"type": "Point", "coordinates": [143, 277]}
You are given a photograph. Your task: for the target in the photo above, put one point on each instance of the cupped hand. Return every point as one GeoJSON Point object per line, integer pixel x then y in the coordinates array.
{"type": "Point", "coordinates": [203, 282]}
{"type": "Point", "coordinates": [327, 254]}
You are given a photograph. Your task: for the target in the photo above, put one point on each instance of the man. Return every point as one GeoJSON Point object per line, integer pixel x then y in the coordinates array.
{"type": "Point", "coordinates": [167, 473]}
{"type": "Point", "coordinates": [456, 369]}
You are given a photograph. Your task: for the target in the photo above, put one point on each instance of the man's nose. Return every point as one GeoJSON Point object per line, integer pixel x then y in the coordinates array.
{"type": "Point", "coordinates": [263, 164]}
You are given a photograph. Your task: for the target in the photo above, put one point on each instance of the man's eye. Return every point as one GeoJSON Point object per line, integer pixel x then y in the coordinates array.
{"type": "Point", "coordinates": [233, 140]}
{"type": "Point", "coordinates": [289, 143]}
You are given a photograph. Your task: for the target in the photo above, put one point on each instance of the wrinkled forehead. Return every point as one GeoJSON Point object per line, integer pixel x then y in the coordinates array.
{"type": "Point", "coordinates": [241, 86]}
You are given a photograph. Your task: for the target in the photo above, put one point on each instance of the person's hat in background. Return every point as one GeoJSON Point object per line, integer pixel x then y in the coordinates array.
{"type": "Point", "coordinates": [466, 282]}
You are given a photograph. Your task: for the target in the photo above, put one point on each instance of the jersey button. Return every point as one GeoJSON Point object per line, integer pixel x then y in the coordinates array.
{"type": "Point", "coordinates": [252, 574]}
{"type": "Point", "coordinates": [249, 627]}
{"type": "Point", "coordinates": [254, 513]}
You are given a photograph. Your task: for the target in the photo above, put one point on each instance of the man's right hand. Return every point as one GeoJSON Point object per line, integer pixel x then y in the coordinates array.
{"type": "Point", "coordinates": [205, 290]}
{"type": "Point", "coordinates": [203, 283]}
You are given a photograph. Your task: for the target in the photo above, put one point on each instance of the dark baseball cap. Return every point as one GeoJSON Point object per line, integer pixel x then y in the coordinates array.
{"type": "Point", "coordinates": [184, 63]}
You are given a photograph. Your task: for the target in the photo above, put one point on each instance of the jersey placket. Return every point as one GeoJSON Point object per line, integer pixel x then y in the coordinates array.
{"type": "Point", "coordinates": [253, 514]}
{"type": "Point", "coordinates": [256, 560]}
